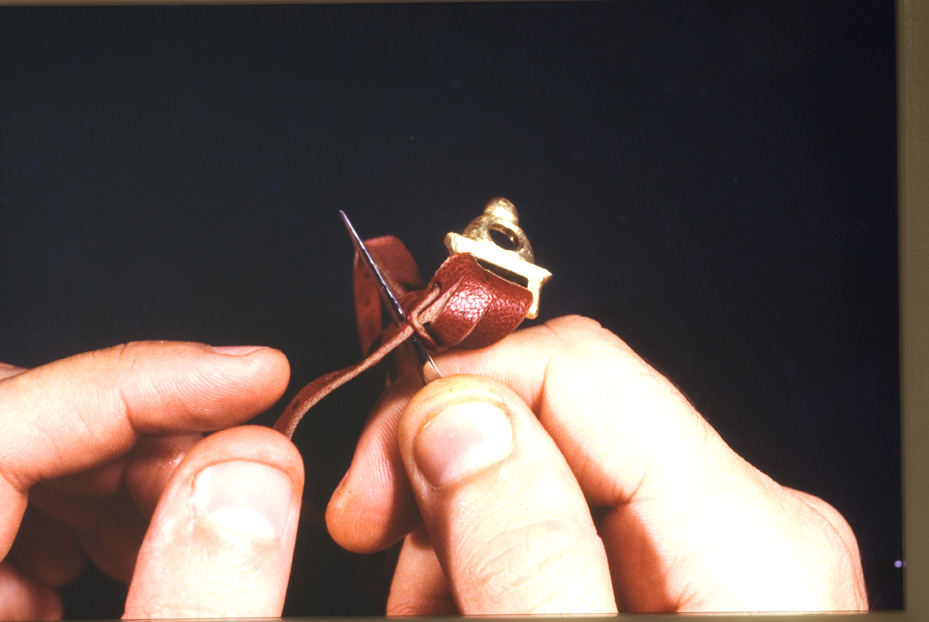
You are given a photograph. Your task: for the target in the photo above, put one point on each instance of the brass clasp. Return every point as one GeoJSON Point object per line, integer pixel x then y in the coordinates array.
{"type": "Point", "coordinates": [515, 264]}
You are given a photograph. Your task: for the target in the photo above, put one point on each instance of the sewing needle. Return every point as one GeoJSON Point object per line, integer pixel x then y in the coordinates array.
{"type": "Point", "coordinates": [415, 345]}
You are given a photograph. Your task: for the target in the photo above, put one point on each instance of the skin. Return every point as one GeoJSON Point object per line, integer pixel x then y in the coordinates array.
{"type": "Point", "coordinates": [556, 472]}
{"type": "Point", "coordinates": [552, 472]}
{"type": "Point", "coordinates": [103, 460]}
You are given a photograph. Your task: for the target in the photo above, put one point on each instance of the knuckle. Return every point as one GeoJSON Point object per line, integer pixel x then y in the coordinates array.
{"type": "Point", "coordinates": [532, 568]}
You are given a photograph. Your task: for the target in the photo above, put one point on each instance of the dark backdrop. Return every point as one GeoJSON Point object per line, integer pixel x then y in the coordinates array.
{"type": "Point", "coordinates": [713, 181]}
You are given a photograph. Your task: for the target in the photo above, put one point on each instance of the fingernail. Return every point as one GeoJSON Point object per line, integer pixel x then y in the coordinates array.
{"type": "Point", "coordinates": [461, 440]}
{"type": "Point", "coordinates": [235, 350]}
{"type": "Point", "coordinates": [250, 498]}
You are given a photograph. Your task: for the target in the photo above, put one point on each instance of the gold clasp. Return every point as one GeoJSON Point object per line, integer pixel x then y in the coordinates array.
{"type": "Point", "coordinates": [515, 264]}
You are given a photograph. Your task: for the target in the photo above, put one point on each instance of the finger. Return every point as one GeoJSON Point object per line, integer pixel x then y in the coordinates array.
{"type": "Point", "coordinates": [113, 543]}
{"type": "Point", "coordinates": [84, 410]}
{"type": "Point", "coordinates": [47, 550]}
{"type": "Point", "coordinates": [89, 409]}
{"type": "Point", "coordinates": [681, 512]}
{"type": "Point", "coordinates": [7, 370]}
{"type": "Point", "coordinates": [834, 518]}
{"type": "Point", "coordinates": [221, 540]}
{"type": "Point", "coordinates": [419, 587]}
{"type": "Point", "coordinates": [25, 598]}
{"type": "Point", "coordinates": [371, 509]}
{"type": "Point", "coordinates": [150, 466]}
{"type": "Point", "coordinates": [373, 506]}
{"type": "Point", "coordinates": [680, 509]}
{"type": "Point", "coordinates": [100, 481]}
{"type": "Point", "coordinates": [109, 529]}
{"type": "Point", "coordinates": [110, 522]}
{"type": "Point", "coordinates": [505, 515]}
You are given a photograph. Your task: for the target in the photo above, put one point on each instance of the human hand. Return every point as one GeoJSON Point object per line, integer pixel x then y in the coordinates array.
{"type": "Point", "coordinates": [568, 476]}
{"type": "Point", "coordinates": [102, 458]}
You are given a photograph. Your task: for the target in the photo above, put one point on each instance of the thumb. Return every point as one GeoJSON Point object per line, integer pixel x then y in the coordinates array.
{"type": "Point", "coordinates": [221, 541]}
{"type": "Point", "coordinates": [504, 513]}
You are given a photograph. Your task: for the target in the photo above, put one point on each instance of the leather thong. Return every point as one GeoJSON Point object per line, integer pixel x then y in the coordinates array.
{"type": "Point", "coordinates": [466, 304]}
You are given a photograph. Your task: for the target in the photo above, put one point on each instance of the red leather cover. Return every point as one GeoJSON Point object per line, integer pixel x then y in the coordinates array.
{"type": "Point", "coordinates": [464, 305]}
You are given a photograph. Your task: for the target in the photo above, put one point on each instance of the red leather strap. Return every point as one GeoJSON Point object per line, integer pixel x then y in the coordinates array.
{"type": "Point", "coordinates": [464, 305]}
{"type": "Point", "coordinates": [398, 267]}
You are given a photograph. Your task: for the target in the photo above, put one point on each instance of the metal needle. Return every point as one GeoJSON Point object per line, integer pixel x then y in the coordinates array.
{"type": "Point", "coordinates": [415, 345]}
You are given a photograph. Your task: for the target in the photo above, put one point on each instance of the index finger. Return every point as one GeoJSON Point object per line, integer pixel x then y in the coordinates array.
{"type": "Point", "coordinates": [680, 509]}
{"type": "Point", "coordinates": [611, 415]}
{"type": "Point", "coordinates": [89, 409]}
{"type": "Point", "coordinates": [540, 365]}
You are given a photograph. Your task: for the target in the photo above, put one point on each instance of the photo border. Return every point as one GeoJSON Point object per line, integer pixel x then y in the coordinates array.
{"type": "Point", "coordinates": [912, 19]}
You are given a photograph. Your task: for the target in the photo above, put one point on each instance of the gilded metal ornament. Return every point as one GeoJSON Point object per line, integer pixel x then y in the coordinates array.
{"type": "Point", "coordinates": [516, 264]}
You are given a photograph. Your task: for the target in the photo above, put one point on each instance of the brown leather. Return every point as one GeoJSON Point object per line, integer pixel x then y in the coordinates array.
{"type": "Point", "coordinates": [463, 305]}
{"type": "Point", "coordinates": [398, 267]}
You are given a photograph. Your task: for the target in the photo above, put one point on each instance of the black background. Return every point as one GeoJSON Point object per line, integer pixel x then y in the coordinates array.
{"type": "Point", "coordinates": [713, 181]}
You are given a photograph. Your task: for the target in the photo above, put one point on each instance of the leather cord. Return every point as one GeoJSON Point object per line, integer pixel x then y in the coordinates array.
{"type": "Point", "coordinates": [463, 305]}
